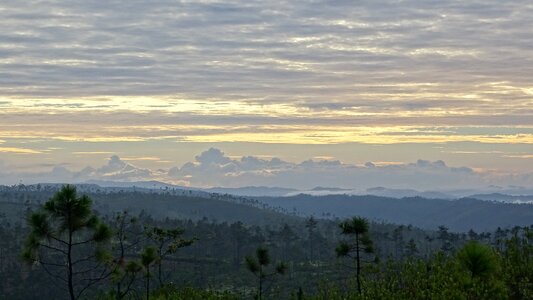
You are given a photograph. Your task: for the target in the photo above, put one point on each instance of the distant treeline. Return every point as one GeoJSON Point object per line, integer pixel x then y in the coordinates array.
{"type": "Point", "coordinates": [193, 247]}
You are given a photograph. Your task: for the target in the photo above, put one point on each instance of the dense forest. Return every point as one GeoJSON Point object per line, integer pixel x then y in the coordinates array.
{"type": "Point", "coordinates": [95, 243]}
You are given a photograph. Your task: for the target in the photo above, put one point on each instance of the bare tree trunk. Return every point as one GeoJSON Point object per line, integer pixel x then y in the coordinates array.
{"type": "Point", "coordinates": [148, 283]}
{"type": "Point", "coordinates": [70, 271]}
{"type": "Point", "coordinates": [260, 287]}
{"type": "Point", "coordinates": [358, 258]}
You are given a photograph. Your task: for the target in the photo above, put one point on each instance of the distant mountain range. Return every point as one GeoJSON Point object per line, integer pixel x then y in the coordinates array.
{"type": "Point", "coordinates": [459, 215]}
{"type": "Point", "coordinates": [485, 213]}
{"type": "Point", "coordinates": [492, 193]}
{"type": "Point", "coordinates": [508, 195]}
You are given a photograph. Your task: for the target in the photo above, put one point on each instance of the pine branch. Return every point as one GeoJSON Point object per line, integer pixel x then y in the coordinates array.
{"type": "Point", "coordinates": [52, 264]}
{"type": "Point", "coordinates": [84, 242]}
{"type": "Point", "coordinates": [83, 259]}
{"type": "Point", "coordinates": [87, 270]}
{"type": "Point", "coordinates": [93, 281]}
{"type": "Point", "coordinates": [54, 275]}
{"type": "Point", "coordinates": [53, 248]}
{"type": "Point", "coordinates": [57, 239]}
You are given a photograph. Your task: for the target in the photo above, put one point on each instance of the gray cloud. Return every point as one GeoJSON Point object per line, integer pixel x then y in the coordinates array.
{"type": "Point", "coordinates": [214, 168]}
{"type": "Point", "coordinates": [115, 170]}
{"type": "Point", "coordinates": [463, 66]}
{"type": "Point", "coordinates": [275, 51]}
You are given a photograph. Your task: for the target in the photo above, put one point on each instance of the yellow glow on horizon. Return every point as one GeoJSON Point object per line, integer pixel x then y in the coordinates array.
{"type": "Point", "coordinates": [113, 118]}
{"type": "Point", "coordinates": [221, 107]}
{"type": "Point", "coordinates": [18, 150]}
{"type": "Point", "coordinates": [333, 137]}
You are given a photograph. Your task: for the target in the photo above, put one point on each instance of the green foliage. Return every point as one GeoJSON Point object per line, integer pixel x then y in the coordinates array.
{"type": "Point", "coordinates": [343, 249]}
{"type": "Point", "coordinates": [170, 292]}
{"type": "Point", "coordinates": [258, 264]}
{"type": "Point", "coordinates": [167, 242]}
{"type": "Point", "coordinates": [59, 235]}
{"type": "Point", "coordinates": [356, 225]}
{"type": "Point", "coordinates": [517, 265]}
{"type": "Point", "coordinates": [252, 264]}
{"type": "Point", "coordinates": [357, 228]}
{"type": "Point", "coordinates": [190, 293]}
{"type": "Point", "coordinates": [414, 263]}
{"type": "Point", "coordinates": [148, 256]}
{"type": "Point", "coordinates": [132, 267]}
{"type": "Point", "coordinates": [479, 260]}
{"type": "Point", "coordinates": [262, 256]}
{"type": "Point", "coordinates": [281, 268]}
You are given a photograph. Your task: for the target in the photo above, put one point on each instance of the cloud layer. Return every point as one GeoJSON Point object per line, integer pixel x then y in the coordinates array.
{"type": "Point", "coordinates": [307, 71]}
{"type": "Point", "coordinates": [213, 168]}
{"type": "Point", "coordinates": [269, 51]}
{"type": "Point", "coordinates": [84, 74]}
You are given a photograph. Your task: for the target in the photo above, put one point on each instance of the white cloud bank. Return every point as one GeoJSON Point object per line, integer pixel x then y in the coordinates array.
{"type": "Point", "coordinates": [214, 168]}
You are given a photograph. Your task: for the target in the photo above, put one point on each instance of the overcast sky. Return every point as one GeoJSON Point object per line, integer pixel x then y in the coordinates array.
{"type": "Point", "coordinates": [159, 82]}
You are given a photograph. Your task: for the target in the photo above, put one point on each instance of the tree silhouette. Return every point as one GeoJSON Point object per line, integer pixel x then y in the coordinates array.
{"type": "Point", "coordinates": [478, 259]}
{"type": "Point", "coordinates": [518, 263]}
{"type": "Point", "coordinates": [167, 241]}
{"type": "Point", "coordinates": [127, 236]}
{"type": "Point", "coordinates": [258, 264]}
{"type": "Point", "coordinates": [311, 224]}
{"type": "Point", "coordinates": [61, 236]}
{"type": "Point", "coordinates": [411, 249]}
{"type": "Point", "coordinates": [446, 239]}
{"type": "Point", "coordinates": [482, 264]}
{"type": "Point", "coordinates": [148, 256]}
{"type": "Point", "coordinates": [358, 228]}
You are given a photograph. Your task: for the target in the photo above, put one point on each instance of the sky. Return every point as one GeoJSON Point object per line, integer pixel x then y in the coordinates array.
{"type": "Point", "coordinates": [417, 94]}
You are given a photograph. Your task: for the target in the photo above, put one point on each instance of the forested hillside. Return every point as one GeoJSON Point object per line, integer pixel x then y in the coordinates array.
{"type": "Point", "coordinates": [175, 246]}
{"type": "Point", "coordinates": [459, 215]}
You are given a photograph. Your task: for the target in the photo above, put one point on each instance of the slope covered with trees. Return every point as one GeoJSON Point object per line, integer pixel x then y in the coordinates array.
{"type": "Point", "coordinates": [160, 257]}
{"type": "Point", "coordinates": [458, 215]}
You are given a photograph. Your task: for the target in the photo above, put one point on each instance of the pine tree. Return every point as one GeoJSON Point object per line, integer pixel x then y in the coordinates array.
{"type": "Point", "coordinates": [148, 256]}
{"type": "Point", "coordinates": [258, 264]}
{"type": "Point", "coordinates": [128, 235]}
{"type": "Point", "coordinates": [358, 228]}
{"type": "Point", "coordinates": [311, 224]}
{"type": "Point", "coordinates": [167, 242]}
{"type": "Point", "coordinates": [66, 239]}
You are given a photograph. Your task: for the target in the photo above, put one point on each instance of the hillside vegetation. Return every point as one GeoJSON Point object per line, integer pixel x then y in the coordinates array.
{"type": "Point", "coordinates": [172, 245]}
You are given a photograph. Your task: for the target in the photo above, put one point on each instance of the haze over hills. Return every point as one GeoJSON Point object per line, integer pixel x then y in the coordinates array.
{"type": "Point", "coordinates": [491, 193]}
{"type": "Point", "coordinates": [214, 168]}
{"type": "Point", "coordinates": [459, 215]}
{"type": "Point", "coordinates": [232, 149]}
{"type": "Point", "coordinates": [164, 200]}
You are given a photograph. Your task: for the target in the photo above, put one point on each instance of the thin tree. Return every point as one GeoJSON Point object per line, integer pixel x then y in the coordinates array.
{"type": "Point", "coordinates": [66, 240]}
{"type": "Point", "coordinates": [411, 249]}
{"type": "Point", "coordinates": [358, 229]}
{"type": "Point", "coordinates": [311, 225]}
{"type": "Point", "coordinates": [127, 237]}
{"type": "Point", "coordinates": [148, 256]}
{"type": "Point", "coordinates": [258, 266]}
{"type": "Point", "coordinates": [167, 242]}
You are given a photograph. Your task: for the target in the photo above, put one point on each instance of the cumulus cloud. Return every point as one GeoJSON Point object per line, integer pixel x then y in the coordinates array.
{"type": "Point", "coordinates": [249, 170]}
{"type": "Point", "coordinates": [213, 168]}
{"type": "Point", "coordinates": [115, 170]}
{"type": "Point", "coordinates": [212, 156]}
{"type": "Point", "coordinates": [291, 72]}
